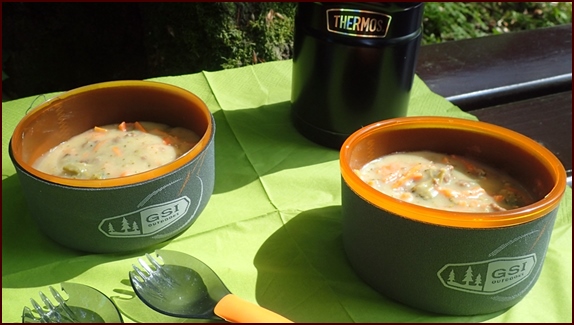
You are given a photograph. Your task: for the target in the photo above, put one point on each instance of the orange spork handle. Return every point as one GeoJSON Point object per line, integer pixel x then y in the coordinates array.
{"type": "Point", "coordinates": [236, 310]}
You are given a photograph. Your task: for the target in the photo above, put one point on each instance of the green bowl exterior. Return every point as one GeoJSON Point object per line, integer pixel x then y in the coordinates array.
{"type": "Point", "coordinates": [455, 271]}
{"type": "Point", "coordinates": [122, 218]}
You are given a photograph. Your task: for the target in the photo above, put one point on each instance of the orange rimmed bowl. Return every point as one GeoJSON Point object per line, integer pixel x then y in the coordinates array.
{"type": "Point", "coordinates": [443, 261]}
{"type": "Point", "coordinates": [124, 213]}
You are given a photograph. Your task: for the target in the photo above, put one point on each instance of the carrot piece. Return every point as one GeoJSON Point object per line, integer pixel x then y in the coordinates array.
{"type": "Point", "coordinates": [99, 129]}
{"type": "Point", "coordinates": [406, 196]}
{"type": "Point", "coordinates": [140, 127]}
{"type": "Point", "coordinates": [117, 151]}
{"type": "Point", "coordinates": [417, 176]}
{"type": "Point", "coordinates": [166, 137]}
{"type": "Point", "coordinates": [122, 126]}
{"type": "Point", "coordinates": [98, 145]}
{"type": "Point", "coordinates": [447, 192]}
{"type": "Point", "coordinates": [498, 198]}
{"type": "Point", "coordinates": [169, 140]}
{"type": "Point", "coordinates": [410, 174]}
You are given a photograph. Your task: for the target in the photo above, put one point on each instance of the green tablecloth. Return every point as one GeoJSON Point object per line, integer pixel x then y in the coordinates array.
{"type": "Point", "coordinates": [272, 228]}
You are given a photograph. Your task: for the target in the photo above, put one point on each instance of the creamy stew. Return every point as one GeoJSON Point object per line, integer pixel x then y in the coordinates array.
{"type": "Point", "coordinates": [447, 182]}
{"type": "Point", "coordinates": [117, 150]}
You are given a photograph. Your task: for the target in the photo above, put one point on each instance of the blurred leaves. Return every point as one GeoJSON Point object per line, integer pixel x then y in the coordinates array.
{"type": "Point", "coordinates": [215, 35]}
{"type": "Point", "coordinates": [211, 36]}
{"type": "Point", "coordinates": [448, 21]}
{"type": "Point", "coordinates": [90, 42]}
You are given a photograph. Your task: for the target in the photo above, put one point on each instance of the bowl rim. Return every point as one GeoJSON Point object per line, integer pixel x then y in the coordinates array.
{"type": "Point", "coordinates": [149, 175]}
{"type": "Point", "coordinates": [439, 217]}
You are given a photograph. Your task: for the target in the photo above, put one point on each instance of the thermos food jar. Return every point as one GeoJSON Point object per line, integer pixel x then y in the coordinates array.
{"type": "Point", "coordinates": [353, 65]}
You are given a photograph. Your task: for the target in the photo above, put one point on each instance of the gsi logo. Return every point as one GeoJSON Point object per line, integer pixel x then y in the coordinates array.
{"type": "Point", "coordinates": [487, 277]}
{"type": "Point", "coordinates": [146, 221]}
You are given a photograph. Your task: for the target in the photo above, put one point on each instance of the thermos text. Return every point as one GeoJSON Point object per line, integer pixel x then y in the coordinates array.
{"type": "Point", "coordinates": [360, 23]}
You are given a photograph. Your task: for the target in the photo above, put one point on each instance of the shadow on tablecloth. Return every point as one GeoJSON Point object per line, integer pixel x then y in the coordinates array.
{"type": "Point", "coordinates": [304, 275]}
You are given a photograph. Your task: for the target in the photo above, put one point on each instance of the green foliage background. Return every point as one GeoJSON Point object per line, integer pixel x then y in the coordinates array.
{"type": "Point", "coordinates": [57, 46]}
{"type": "Point", "coordinates": [211, 36]}
{"type": "Point", "coordinates": [447, 21]}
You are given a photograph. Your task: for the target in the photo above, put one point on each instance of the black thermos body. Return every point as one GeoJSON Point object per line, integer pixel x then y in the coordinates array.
{"type": "Point", "coordinates": [353, 65]}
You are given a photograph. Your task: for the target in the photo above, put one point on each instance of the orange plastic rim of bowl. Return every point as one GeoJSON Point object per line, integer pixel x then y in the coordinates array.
{"type": "Point", "coordinates": [450, 218]}
{"type": "Point", "coordinates": [131, 179]}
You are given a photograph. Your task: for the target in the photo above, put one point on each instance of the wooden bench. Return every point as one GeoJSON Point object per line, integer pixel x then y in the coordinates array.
{"type": "Point", "coordinates": [521, 80]}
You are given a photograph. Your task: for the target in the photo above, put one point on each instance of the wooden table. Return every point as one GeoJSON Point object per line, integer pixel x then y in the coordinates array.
{"type": "Point", "coordinates": [521, 80]}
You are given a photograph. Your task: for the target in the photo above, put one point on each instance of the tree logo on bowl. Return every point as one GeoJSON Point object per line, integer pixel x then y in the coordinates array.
{"type": "Point", "coordinates": [487, 277]}
{"type": "Point", "coordinates": [146, 221]}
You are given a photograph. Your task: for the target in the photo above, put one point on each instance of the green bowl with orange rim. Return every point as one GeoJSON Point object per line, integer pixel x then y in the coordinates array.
{"type": "Point", "coordinates": [447, 262]}
{"type": "Point", "coordinates": [123, 213]}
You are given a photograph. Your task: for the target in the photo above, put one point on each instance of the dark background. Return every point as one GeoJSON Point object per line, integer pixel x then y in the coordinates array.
{"type": "Point", "coordinates": [39, 56]}
{"type": "Point", "coordinates": [48, 47]}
